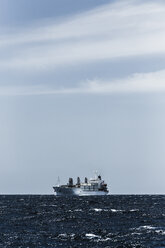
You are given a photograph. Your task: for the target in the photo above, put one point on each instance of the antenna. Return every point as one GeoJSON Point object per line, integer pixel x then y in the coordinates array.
{"type": "Point", "coordinates": [58, 181]}
{"type": "Point", "coordinates": [96, 174]}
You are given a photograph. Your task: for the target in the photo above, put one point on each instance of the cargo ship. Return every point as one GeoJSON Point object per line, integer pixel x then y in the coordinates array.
{"type": "Point", "coordinates": [93, 186]}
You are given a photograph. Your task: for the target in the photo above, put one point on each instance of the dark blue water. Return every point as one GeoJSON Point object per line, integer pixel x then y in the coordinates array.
{"type": "Point", "coordinates": [108, 221]}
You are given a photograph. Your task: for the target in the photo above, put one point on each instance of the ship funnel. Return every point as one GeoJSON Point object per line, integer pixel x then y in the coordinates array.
{"type": "Point", "coordinates": [86, 180]}
{"type": "Point", "coordinates": [70, 182]}
{"type": "Point", "coordinates": [78, 181]}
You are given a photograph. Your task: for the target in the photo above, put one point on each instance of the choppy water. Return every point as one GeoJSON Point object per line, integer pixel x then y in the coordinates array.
{"type": "Point", "coordinates": [108, 221]}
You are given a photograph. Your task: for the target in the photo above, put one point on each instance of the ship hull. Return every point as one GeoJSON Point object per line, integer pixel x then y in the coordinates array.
{"type": "Point", "coordinates": [67, 191]}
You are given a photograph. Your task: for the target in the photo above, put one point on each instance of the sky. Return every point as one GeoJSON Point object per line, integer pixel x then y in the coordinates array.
{"type": "Point", "coordinates": [82, 88]}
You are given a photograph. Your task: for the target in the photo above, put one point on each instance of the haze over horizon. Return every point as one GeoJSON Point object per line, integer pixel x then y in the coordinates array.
{"type": "Point", "coordinates": [82, 88]}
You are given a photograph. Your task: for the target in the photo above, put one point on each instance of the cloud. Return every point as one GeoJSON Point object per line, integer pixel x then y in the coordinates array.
{"type": "Point", "coordinates": [113, 31]}
{"type": "Point", "coordinates": [136, 83]}
{"type": "Point", "coordinates": [122, 29]}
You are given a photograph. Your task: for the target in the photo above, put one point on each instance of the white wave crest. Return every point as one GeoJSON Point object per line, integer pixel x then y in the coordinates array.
{"type": "Point", "coordinates": [91, 235]}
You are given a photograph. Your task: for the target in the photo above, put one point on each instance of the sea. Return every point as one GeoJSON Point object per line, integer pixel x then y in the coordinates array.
{"type": "Point", "coordinates": [119, 221]}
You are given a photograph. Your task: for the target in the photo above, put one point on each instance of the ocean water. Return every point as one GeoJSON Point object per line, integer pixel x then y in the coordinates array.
{"type": "Point", "coordinates": [108, 221]}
